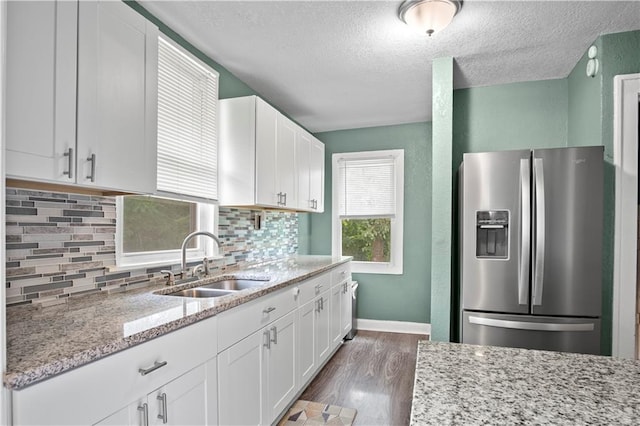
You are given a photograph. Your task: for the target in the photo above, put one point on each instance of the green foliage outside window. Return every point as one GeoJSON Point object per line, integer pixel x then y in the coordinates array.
{"type": "Point", "coordinates": [154, 224]}
{"type": "Point", "coordinates": [367, 240]}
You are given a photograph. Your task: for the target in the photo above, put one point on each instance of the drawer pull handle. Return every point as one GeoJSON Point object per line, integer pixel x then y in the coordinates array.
{"type": "Point", "coordinates": [269, 310]}
{"type": "Point", "coordinates": [163, 401]}
{"type": "Point", "coordinates": [145, 413]}
{"type": "Point", "coordinates": [274, 339]}
{"type": "Point", "coordinates": [156, 365]}
{"type": "Point", "coordinates": [343, 273]}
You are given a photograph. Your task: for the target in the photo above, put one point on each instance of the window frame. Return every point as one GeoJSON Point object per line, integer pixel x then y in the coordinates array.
{"type": "Point", "coordinates": [395, 265]}
{"type": "Point", "coordinates": [206, 220]}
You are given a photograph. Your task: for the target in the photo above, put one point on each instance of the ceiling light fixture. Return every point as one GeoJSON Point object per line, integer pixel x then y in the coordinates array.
{"type": "Point", "coordinates": [428, 16]}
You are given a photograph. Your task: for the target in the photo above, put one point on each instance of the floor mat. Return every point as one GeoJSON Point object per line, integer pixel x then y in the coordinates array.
{"type": "Point", "coordinates": [314, 413]}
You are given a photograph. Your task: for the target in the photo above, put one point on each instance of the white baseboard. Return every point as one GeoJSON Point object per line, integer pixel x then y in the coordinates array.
{"type": "Point", "coordinates": [393, 326]}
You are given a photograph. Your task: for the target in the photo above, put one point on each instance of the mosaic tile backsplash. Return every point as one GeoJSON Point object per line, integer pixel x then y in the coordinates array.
{"type": "Point", "coordinates": [60, 245]}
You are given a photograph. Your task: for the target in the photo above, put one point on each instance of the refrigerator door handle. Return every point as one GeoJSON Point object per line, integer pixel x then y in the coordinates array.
{"type": "Point", "coordinates": [538, 270]}
{"type": "Point", "coordinates": [534, 326]}
{"type": "Point", "coordinates": [525, 247]}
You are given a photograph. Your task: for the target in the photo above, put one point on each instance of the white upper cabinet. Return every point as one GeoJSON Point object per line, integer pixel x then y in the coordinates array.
{"type": "Point", "coordinates": [111, 101]}
{"type": "Point", "coordinates": [265, 158]}
{"type": "Point", "coordinates": [286, 168]}
{"type": "Point", "coordinates": [310, 161]}
{"type": "Point", "coordinates": [41, 62]}
{"type": "Point", "coordinates": [117, 97]}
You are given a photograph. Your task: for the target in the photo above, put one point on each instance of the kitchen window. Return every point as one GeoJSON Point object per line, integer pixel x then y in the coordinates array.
{"type": "Point", "coordinates": [368, 199]}
{"type": "Point", "coordinates": [151, 229]}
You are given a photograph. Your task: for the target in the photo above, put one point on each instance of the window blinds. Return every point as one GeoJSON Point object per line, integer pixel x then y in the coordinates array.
{"type": "Point", "coordinates": [367, 187]}
{"type": "Point", "coordinates": [187, 125]}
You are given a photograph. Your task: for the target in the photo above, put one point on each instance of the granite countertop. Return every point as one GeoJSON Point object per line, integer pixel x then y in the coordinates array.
{"type": "Point", "coordinates": [44, 342]}
{"type": "Point", "coordinates": [458, 384]}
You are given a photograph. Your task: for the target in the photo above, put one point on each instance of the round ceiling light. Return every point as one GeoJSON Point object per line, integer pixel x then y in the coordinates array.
{"type": "Point", "coordinates": [428, 16]}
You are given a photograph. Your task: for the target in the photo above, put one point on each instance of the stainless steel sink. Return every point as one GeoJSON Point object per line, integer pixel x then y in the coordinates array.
{"type": "Point", "coordinates": [234, 284]}
{"type": "Point", "coordinates": [201, 292]}
{"type": "Point", "coordinates": [219, 288]}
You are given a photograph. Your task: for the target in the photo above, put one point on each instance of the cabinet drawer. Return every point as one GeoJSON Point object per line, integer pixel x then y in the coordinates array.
{"type": "Point", "coordinates": [341, 273]}
{"type": "Point", "coordinates": [313, 287]}
{"type": "Point", "coordinates": [237, 323]}
{"type": "Point", "coordinates": [98, 389]}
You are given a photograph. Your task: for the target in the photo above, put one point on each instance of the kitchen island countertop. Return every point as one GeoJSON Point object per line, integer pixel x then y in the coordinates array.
{"type": "Point", "coordinates": [44, 342]}
{"type": "Point", "coordinates": [459, 384]}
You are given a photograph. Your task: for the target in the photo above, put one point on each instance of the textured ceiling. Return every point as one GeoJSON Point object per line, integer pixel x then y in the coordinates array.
{"type": "Point", "coordinates": [349, 64]}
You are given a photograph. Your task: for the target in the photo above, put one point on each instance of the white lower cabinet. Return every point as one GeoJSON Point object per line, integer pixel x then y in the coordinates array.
{"type": "Point", "coordinates": [280, 363]}
{"type": "Point", "coordinates": [179, 364]}
{"type": "Point", "coordinates": [257, 376]}
{"type": "Point", "coordinates": [335, 325]}
{"type": "Point", "coordinates": [307, 341]}
{"type": "Point", "coordinates": [240, 382]}
{"type": "Point", "coordinates": [187, 400]}
{"type": "Point", "coordinates": [322, 327]}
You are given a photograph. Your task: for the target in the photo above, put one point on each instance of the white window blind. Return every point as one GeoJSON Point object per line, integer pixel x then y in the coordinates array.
{"type": "Point", "coordinates": [368, 187]}
{"type": "Point", "coordinates": [187, 124]}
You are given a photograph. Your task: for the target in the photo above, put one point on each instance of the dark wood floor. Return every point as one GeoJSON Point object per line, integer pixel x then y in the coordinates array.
{"type": "Point", "coordinates": [372, 373]}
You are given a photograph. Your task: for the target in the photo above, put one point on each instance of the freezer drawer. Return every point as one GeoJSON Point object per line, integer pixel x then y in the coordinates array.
{"type": "Point", "coordinates": [580, 335]}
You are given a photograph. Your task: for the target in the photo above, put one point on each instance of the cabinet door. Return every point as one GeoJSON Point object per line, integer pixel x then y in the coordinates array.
{"type": "Point", "coordinates": [240, 382]}
{"type": "Point", "coordinates": [117, 97]}
{"type": "Point", "coordinates": [281, 356]}
{"type": "Point", "coordinates": [129, 415]}
{"type": "Point", "coordinates": [266, 137]}
{"type": "Point", "coordinates": [322, 328]}
{"type": "Point", "coordinates": [335, 325]}
{"type": "Point", "coordinates": [346, 309]}
{"type": "Point", "coordinates": [316, 175]}
{"type": "Point", "coordinates": [286, 162]}
{"type": "Point", "coordinates": [306, 341]}
{"type": "Point", "coordinates": [303, 153]}
{"type": "Point", "coordinates": [41, 90]}
{"type": "Point", "coordinates": [182, 401]}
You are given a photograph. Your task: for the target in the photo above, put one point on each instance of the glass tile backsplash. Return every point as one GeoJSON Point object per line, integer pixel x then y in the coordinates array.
{"type": "Point", "coordinates": [61, 244]}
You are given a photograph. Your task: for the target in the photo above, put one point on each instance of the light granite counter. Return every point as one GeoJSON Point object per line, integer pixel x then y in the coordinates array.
{"type": "Point", "coordinates": [44, 342]}
{"type": "Point", "coordinates": [459, 384]}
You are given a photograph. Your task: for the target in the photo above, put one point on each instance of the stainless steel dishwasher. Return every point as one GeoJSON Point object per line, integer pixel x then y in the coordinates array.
{"type": "Point", "coordinates": [354, 331]}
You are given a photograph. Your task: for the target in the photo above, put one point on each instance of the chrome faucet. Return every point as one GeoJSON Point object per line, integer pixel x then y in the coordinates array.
{"type": "Point", "coordinates": [184, 248]}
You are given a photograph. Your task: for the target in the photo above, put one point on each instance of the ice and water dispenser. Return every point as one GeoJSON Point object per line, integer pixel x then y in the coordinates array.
{"type": "Point", "coordinates": [492, 234]}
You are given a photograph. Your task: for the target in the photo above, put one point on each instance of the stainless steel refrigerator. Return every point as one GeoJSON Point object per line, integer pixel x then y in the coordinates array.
{"type": "Point", "coordinates": [531, 248]}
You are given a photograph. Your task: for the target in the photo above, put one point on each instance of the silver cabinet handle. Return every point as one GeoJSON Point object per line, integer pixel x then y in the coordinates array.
{"type": "Point", "coordinates": [154, 367]}
{"type": "Point", "coordinates": [267, 341]}
{"type": "Point", "coordinates": [318, 305]}
{"type": "Point", "coordinates": [525, 206]}
{"type": "Point", "coordinates": [538, 261]}
{"type": "Point", "coordinates": [145, 413]}
{"type": "Point", "coordinates": [322, 303]}
{"type": "Point", "coordinates": [285, 199]}
{"type": "Point", "coordinates": [163, 402]}
{"type": "Point", "coordinates": [279, 195]}
{"type": "Point", "coordinates": [69, 154]}
{"type": "Point", "coordinates": [268, 310]}
{"type": "Point", "coordinates": [318, 288]}
{"type": "Point", "coordinates": [274, 339]}
{"type": "Point", "coordinates": [92, 160]}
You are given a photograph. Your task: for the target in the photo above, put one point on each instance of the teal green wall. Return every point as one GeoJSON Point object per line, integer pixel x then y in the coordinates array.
{"type": "Point", "coordinates": [591, 123]}
{"type": "Point", "coordinates": [403, 297]}
{"type": "Point", "coordinates": [442, 200]}
{"type": "Point", "coordinates": [585, 105]}
{"type": "Point", "coordinates": [510, 116]}
{"type": "Point", "coordinates": [229, 86]}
